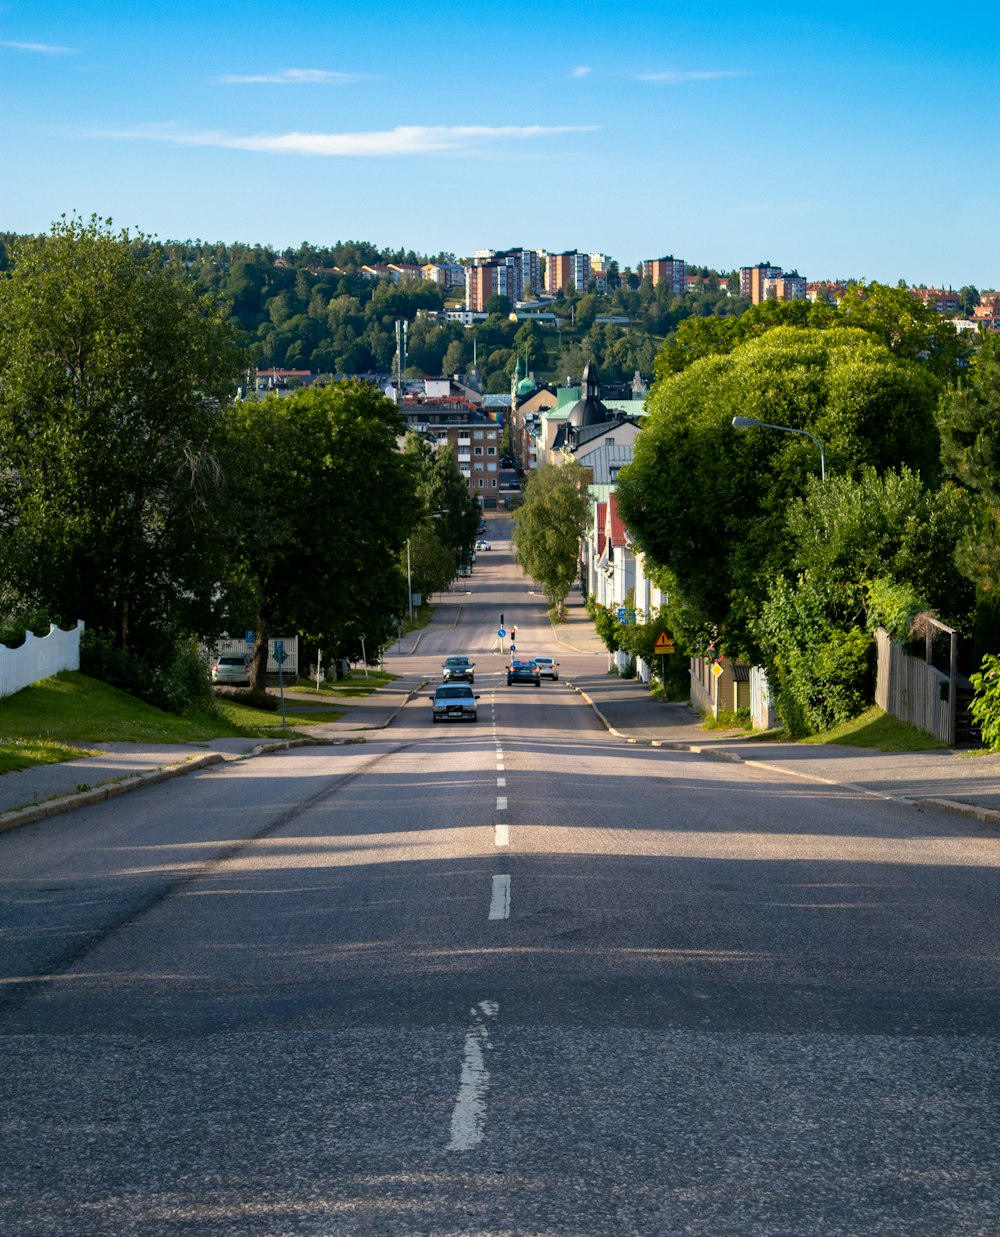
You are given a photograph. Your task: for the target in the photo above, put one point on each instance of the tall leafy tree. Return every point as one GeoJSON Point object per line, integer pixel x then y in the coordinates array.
{"type": "Point", "coordinates": [321, 504]}
{"type": "Point", "coordinates": [548, 526]}
{"type": "Point", "coordinates": [969, 420]}
{"type": "Point", "coordinates": [113, 377]}
{"type": "Point", "coordinates": [709, 503]}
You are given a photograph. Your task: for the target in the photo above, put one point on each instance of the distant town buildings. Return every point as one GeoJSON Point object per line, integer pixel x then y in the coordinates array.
{"type": "Point", "coordinates": [987, 313]}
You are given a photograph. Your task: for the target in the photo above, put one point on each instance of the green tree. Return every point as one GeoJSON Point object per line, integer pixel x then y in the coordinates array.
{"type": "Point", "coordinates": [548, 526]}
{"type": "Point", "coordinates": [710, 503]}
{"type": "Point", "coordinates": [444, 497]}
{"type": "Point", "coordinates": [874, 550]}
{"type": "Point", "coordinates": [311, 553]}
{"type": "Point", "coordinates": [113, 375]}
{"type": "Point", "coordinates": [968, 418]}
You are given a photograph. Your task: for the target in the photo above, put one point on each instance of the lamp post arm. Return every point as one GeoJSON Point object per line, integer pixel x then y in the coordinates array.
{"type": "Point", "coordinates": [752, 422]}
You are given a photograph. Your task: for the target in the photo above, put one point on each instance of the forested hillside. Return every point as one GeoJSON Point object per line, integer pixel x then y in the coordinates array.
{"type": "Point", "coordinates": [310, 308]}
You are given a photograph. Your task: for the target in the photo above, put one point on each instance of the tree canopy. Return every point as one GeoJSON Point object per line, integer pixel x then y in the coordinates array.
{"type": "Point", "coordinates": [321, 504]}
{"type": "Point", "coordinates": [113, 375]}
{"type": "Point", "coordinates": [548, 526]}
{"type": "Point", "coordinates": [709, 503]}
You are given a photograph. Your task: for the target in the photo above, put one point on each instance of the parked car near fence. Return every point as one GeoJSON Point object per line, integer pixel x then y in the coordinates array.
{"type": "Point", "coordinates": [232, 668]}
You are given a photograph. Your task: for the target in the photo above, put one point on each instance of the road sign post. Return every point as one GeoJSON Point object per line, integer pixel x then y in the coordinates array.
{"type": "Point", "coordinates": [280, 656]}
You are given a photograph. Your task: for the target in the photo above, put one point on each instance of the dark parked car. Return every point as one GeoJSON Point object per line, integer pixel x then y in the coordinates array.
{"type": "Point", "coordinates": [458, 669]}
{"type": "Point", "coordinates": [523, 672]}
{"type": "Point", "coordinates": [455, 702]}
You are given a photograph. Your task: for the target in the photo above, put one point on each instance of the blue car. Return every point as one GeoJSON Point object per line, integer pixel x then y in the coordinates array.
{"type": "Point", "coordinates": [523, 672]}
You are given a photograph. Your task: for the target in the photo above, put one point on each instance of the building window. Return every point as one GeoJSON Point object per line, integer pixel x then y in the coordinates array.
{"type": "Point", "coordinates": [477, 434]}
{"type": "Point", "coordinates": [494, 482]}
{"type": "Point", "coordinates": [491, 450]}
{"type": "Point", "coordinates": [479, 450]}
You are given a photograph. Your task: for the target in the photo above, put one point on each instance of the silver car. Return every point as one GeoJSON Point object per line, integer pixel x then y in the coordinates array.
{"type": "Point", "coordinates": [455, 702]}
{"type": "Point", "coordinates": [548, 667]}
{"type": "Point", "coordinates": [232, 668]}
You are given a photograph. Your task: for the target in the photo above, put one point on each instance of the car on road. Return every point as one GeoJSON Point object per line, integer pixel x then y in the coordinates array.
{"type": "Point", "coordinates": [548, 667]}
{"type": "Point", "coordinates": [464, 569]}
{"type": "Point", "coordinates": [523, 672]}
{"type": "Point", "coordinates": [455, 702]}
{"type": "Point", "coordinates": [483, 544]}
{"type": "Point", "coordinates": [232, 668]}
{"type": "Point", "coordinates": [458, 669]}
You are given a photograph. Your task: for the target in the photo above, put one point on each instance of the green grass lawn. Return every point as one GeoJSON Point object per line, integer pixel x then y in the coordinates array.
{"type": "Point", "coordinates": [878, 729]}
{"type": "Point", "coordinates": [873, 728]}
{"type": "Point", "coordinates": [355, 684]}
{"type": "Point", "coordinates": [38, 724]}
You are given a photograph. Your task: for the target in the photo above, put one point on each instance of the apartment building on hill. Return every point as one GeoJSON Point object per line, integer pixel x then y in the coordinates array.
{"type": "Point", "coordinates": [764, 282]}
{"type": "Point", "coordinates": [670, 270]}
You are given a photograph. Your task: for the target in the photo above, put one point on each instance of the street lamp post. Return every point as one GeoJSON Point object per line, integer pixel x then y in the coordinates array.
{"type": "Point", "coordinates": [746, 423]}
{"type": "Point", "coordinates": [409, 581]}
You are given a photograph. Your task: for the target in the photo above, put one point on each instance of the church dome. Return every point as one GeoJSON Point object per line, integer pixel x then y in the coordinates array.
{"type": "Point", "coordinates": [526, 386]}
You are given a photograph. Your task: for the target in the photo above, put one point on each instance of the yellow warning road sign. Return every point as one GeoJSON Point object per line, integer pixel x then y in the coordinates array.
{"type": "Point", "coordinates": [663, 644]}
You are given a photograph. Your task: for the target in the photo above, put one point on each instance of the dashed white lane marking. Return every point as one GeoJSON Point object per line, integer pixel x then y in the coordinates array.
{"type": "Point", "coordinates": [468, 1117]}
{"type": "Point", "coordinates": [501, 781]}
{"type": "Point", "coordinates": [501, 803]}
{"type": "Point", "coordinates": [500, 901]}
{"type": "Point", "coordinates": [501, 835]}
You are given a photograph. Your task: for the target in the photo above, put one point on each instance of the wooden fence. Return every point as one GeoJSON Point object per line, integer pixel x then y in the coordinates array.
{"type": "Point", "coordinates": [39, 657]}
{"type": "Point", "coordinates": [915, 691]}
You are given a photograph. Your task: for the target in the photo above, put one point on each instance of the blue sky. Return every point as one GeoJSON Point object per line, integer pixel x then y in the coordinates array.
{"type": "Point", "coordinates": [843, 140]}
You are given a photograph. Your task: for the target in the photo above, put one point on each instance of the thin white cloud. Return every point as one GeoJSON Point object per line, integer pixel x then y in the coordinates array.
{"type": "Point", "coordinates": [581, 70]}
{"type": "Point", "coordinates": [45, 49]}
{"type": "Point", "coordinates": [403, 140]}
{"type": "Point", "coordinates": [690, 75]}
{"type": "Point", "coordinates": [289, 77]}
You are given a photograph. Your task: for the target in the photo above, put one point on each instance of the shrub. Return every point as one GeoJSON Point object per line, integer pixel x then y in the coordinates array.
{"type": "Point", "coordinates": [985, 707]}
{"type": "Point", "coordinates": [179, 682]}
{"type": "Point", "coordinates": [818, 669]}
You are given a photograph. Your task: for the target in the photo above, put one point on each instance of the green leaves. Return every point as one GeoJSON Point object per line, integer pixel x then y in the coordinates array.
{"type": "Point", "coordinates": [112, 375]}
{"type": "Point", "coordinates": [710, 503]}
{"type": "Point", "coordinates": [548, 526]}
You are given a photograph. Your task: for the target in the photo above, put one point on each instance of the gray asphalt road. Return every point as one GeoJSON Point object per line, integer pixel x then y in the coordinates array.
{"type": "Point", "coordinates": [514, 977]}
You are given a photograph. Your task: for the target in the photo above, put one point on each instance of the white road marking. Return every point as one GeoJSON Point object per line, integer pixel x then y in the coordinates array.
{"type": "Point", "coordinates": [501, 781]}
{"type": "Point", "coordinates": [501, 803]}
{"type": "Point", "coordinates": [500, 901]}
{"type": "Point", "coordinates": [502, 835]}
{"type": "Point", "coordinates": [468, 1117]}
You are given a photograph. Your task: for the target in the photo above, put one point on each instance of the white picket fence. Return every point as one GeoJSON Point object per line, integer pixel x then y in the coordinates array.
{"type": "Point", "coordinates": [39, 657]}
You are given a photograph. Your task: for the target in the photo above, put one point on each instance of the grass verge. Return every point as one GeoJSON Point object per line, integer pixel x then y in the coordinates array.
{"type": "Point", "coordinates": [40, 724]}
{"type": "Point", "coordinates": [878, 729]}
